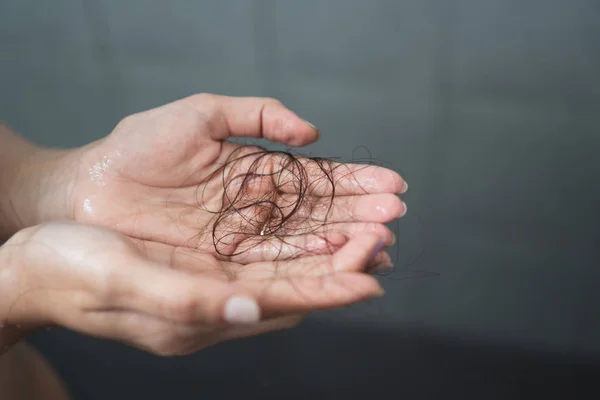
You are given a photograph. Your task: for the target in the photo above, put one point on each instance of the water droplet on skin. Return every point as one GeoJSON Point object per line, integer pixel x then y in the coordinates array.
{"type": "Point", "coordinates": [98, 170]}
{"type": "Point", "coordinates": [88, 206]}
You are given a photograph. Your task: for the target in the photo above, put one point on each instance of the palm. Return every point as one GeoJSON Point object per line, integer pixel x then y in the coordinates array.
{"type": "Point", "coordinates": [142, 179]}
{"type": "Point", "coordinates": [151, 180]}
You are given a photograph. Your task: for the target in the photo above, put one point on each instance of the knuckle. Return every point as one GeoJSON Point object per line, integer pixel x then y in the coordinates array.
{"type": "Point", "coordinates": [202, 97]}
{"type": "Point", "coordinates": [24, 235]}
{"type": "Point", "coordinates": [206, 107]}
{"type": "Point", "coordinates": [174, 342]}
{"type": "Point", "coordinates": [273, 101]}
{"type": "Point", "coordinates": [107, 284]}
{"type": "Point", "coordinates": [207, 102]}
{"type": "Point", "coordinates": [127, 121]}
{"type": "Point", "coordinates": [167, 345]}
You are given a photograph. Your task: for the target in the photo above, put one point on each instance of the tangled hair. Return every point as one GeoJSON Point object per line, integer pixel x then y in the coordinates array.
{"type": "Point", "coordinates": [272, 196]}
{"type": "Point", "coordinates": [282, 202]}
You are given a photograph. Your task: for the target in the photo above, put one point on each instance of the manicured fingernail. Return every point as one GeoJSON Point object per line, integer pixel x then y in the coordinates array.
{"type": "Point", "coordinates": [314, 127]}
{"type": "Point", "coordinates": [377, 249]}
{"type": "Point", "coordinates": [241, 310]}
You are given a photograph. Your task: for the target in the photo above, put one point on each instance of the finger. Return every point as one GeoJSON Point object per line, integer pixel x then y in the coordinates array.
{"type": "Point", "coordinates": [318, 177]}
{"type": "Point", "coordinates": [175, 295]}
{"type": "Point", "coordinates": [344, 179]}
{"type": "Point", "coordinates": [259, 249]}
{"type": "Point", "coordinates": [381, 263]}
{"type": "Point", "coordinates": [358, 253]}
{"type": "Point", "coordinates": [254, 117]}
{"type": "Point", "coordinates": [307, 267]}
{"type": "Point", "coordinates": [315, 283]}
{"type": "Point", "coordinates": [280, 296]}
{"type": "Point", "coordinates": [318, 241]}
{"type": "Point", "coordinates": [382, 208]}
{"type": "Point", "coordinates": [282, 287]}
{"type": "Point", "coordinates": [262, 255]}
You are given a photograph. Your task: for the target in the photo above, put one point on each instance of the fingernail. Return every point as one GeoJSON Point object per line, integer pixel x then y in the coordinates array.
{"type": "Point", "coordinates": [314, 127]}
{"type": "Point", "coordinates": [380, 293]}
{"type": "Point", "coordinates": [393, 239]}
{"type": "Point", "coordinates": [385, 267]}
{"type": "Point", "coordinates": [405, 209]}
{"type": "Point", "coordinates": [376, 250]}
{"type": "Point", "coordinates": [311, 125]}
{"type": "Point", "coordinates": [405, 187]}
{"type": "Point", "coordinates": [241, 310]}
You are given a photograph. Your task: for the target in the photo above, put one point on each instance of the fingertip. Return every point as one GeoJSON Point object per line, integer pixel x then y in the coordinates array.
{"type": "Point", "coordinates": [358, 252]}
{"type": "Point", "coordinates": [364, 286]}
{"type": "Point", "coordinates": [374, 288]}
{"type": "Point", "coordinates": [317, 132]}
{"type": "Point", "coordinates": [301, 132]}
{"type": "Point", "coordinates": [287, 127]}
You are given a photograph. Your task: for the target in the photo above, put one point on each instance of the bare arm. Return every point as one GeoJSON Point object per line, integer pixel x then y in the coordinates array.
{"type": "Point", "coordinates": [30, 192]}
{"type": "Point", "coordinates": [25, 173]}
{"type": "Point", "coordinates": [25, 375]}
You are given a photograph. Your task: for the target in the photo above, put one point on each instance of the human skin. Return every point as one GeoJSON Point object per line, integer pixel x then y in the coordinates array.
{"type": "Point", "coordinates": [92, 246]}
{"type": "Point", "coordinates": [26, 375]}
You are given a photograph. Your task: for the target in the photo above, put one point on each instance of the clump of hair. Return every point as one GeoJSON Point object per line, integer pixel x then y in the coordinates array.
{"type": "Point", "coordinates": [270, 195]}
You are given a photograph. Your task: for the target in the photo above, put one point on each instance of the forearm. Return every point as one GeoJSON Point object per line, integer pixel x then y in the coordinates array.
{"type": "Point", "coordinates": [25, 374]}
{"type": "Point", "coordinates": [10, 330]}
{"type": "Point", "coordinates": [15, 374]}
{"type": "Point", "coordinates": [34, 184]}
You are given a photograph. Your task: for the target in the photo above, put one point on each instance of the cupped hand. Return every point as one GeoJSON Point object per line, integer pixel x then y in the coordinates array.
{"type": "Point", "coordinates": [153, 178]}
{"type": "Point", "coordinates": [167, 299]}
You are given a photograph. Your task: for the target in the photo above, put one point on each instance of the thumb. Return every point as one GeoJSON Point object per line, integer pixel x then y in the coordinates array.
{"type": "Point", "coordinates": [254, 117]}
{"type": "Point", "coordinates": [185, 297]}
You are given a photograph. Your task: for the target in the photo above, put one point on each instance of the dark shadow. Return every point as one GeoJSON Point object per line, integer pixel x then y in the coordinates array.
{"type": "Point", "coordinates": [317, 361]}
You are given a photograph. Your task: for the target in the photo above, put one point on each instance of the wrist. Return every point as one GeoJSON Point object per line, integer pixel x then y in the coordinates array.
{"type": "Point", "coordinates": [18, 314]}
{"type": "Point", "coordinates": [10, 328]}
{"type": "Point", "coordinates": [36, 185]}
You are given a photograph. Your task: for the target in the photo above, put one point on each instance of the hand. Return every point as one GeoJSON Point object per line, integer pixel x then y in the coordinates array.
{"type": "Point", "coordinates": [102, 283]}
{"type": "Point", "coordinates": [143, 180]}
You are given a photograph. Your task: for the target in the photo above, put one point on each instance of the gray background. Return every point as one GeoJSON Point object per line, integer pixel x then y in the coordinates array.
{"type": "Point", "coordinates": [490, 108]}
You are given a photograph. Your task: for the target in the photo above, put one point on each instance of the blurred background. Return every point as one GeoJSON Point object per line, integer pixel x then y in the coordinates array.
{"type": "Point", "coordinates": [491, 110]}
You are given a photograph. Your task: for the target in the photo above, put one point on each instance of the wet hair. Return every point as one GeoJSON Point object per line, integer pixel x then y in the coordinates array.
{"type": "Point", "coordinates": [274, 197]}
{"type": "Point", "coordinates": [269, 196]}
